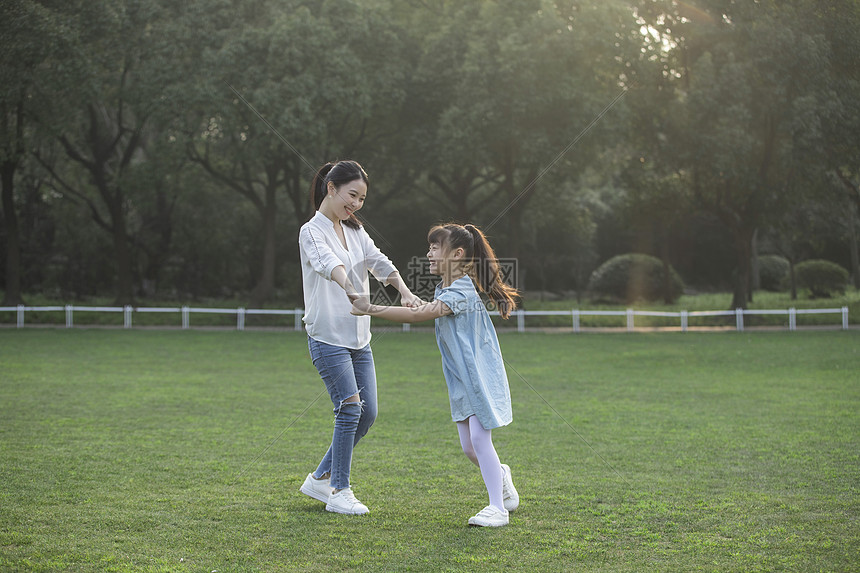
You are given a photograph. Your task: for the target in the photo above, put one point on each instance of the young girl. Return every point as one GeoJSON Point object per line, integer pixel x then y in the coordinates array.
{"type": "Point", "coordinates": [471, 359]}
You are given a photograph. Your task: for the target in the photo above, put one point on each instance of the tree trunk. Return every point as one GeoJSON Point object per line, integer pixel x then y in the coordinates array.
{"type": "Point", "coordinates": [853, 206]}
{"type": "Point", "coordinates": [792, 279]}
{"type": "Point", "coordinates": [755, 278]}
{"type": "Point", "coordinates": [12, 295]}
{"type": "Point", "coordinates": [852, 246]}
{"type": "Point", "coordinates": [743, 250]}
{"type": "Point", "coordinates": [266, 284]}
{"type": "Point", "coordinates": [667, 275]}
{"type": "Point", "coordinates": [156, 257]}
{"type": "Point", "coordinates": [13, 154]}
{"type": "Point", "coordinates": [122, 257]}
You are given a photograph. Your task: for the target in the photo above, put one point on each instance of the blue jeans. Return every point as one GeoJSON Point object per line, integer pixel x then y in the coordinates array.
{"type": "Point", "coordinates": [346, 372]}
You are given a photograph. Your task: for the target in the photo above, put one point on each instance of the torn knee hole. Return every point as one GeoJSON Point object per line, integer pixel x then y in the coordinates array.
{"type": "Point", "coordinates": [353, 400]}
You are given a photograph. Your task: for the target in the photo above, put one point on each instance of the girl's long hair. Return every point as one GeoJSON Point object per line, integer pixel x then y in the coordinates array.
{"type": "Point", "coordinates": [339, 172]}
{"type": "Point", "coordinates": [482, 264]}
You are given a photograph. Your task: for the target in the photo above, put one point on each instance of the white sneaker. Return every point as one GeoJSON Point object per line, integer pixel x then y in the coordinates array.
{"type": "Point", "coordinates": [344, 502]}
{"type": "Point", "coordinates": [319, 489]}
{"type": "Point", "coordinates": [510, 497]}
{"type": "Point", "coordinates": [490, 516]}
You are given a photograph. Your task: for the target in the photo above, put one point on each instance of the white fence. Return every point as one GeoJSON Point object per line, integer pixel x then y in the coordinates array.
{"type": "Point", "coordinates": [629, 315]}
{"type": "Point", "coordinates": [683, 315]}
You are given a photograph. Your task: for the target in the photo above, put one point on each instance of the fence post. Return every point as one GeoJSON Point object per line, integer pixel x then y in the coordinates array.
{"type": "Point", "coordinates": [684, 316]}
{"type": "Point", "coordinates": [521, 321]}
{"type": "Point", "coordinates": [240, 318]}
{"type": "Point", "coordinates": [575, 314]}
{"type": "Point", "coordinates": [20, 316]}
{"type": "Point", "coordinates": [629, 320]}
{"type": "Point", "coordinates": [792, 319]}
{"type": "Point", "coordinates": [407, 327]}
{"type": "Point", "coordinates": [185, 318]}
{"type": "Point", "coordinates": [297, 324]}
{"type": "Point", "coordinates": [126, 316]}
{"type": "Point", "coordinates": [739, 319]}
{"type": "Point", "coordinates": [844, 318]}
{"type": "Point", "coordinates": [70, 316]}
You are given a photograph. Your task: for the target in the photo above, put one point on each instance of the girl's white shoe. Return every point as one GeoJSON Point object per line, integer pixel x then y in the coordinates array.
{"type": "Point", "coordinates": [510, 497]}
{"type": "Point", "coordinates": [490, 516]}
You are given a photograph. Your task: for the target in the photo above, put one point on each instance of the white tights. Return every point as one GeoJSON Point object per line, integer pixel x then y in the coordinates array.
{"type": "Point", "coordinates": [477, 444]}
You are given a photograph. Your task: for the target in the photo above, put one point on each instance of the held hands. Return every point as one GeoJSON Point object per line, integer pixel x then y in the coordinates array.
{"type": "Point", "coordinates": [411, 301]}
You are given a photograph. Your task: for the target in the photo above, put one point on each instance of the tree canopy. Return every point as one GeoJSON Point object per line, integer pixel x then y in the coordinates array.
{"type": "Point", "coordinates": [150, 149]}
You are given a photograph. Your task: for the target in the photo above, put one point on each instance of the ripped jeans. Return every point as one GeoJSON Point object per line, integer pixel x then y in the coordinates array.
{"type": "Point", "coordinates": [346, 372]}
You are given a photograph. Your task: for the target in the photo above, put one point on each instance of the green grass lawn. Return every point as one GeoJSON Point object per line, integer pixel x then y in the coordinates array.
{"type": "Point", "coordinates": [183, 451]}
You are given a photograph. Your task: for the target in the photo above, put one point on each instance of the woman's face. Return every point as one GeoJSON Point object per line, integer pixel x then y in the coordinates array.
{"type": "Point", "coordinates": [347, 198]}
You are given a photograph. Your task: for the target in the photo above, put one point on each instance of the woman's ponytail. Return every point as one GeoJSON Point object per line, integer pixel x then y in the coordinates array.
{"type": "Point", "coordinates": [318, 187]}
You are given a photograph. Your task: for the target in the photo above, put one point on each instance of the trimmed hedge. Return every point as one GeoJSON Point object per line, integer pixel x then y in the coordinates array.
{"type": "Point", "coordinates": [822, 278]}
{"type": "Point", "coordinates": [773, 272]}
{"type": "Point", "coordinates": [633, 277]}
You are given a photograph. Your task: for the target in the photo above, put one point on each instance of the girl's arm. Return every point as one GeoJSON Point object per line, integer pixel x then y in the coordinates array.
{"type": "Point", "coordinates": [427, 311]}
{"type": "Point", "coordinates": [407, 298]}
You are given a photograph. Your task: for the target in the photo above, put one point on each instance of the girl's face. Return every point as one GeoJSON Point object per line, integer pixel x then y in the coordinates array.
{"type": "Point", "coordinates": [348, 198]}
{"type": "Point", "coordinates": [443, 262]}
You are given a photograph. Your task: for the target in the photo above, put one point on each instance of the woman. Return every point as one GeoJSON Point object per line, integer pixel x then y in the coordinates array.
{"type": "Point", "coordinates": [336, 255]}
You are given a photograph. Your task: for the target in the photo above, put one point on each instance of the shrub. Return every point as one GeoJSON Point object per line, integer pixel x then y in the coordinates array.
{"type": "Point", "coordinates": [633, 277]}
{"type": "Point", "coordinates": [773, 271]}
{"type": "Point", "coordinates": [822, 278]}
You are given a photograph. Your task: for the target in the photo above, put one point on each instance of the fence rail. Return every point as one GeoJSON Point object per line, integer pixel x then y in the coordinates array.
{"type": "Point", "coordinates": [575, 315]}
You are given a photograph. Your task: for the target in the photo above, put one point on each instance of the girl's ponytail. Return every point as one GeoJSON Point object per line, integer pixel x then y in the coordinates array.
{"type": "Point", "coordinates": [487, 274]}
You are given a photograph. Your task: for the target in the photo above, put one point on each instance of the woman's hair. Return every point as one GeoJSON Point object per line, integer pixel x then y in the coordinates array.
{"type": "Point", "coordinates": [338, 172]}
{"type": "Point", "coordinates": [482, 264]}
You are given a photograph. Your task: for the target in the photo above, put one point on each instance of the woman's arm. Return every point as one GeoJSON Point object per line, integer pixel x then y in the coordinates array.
{"type": "Point", "coordinates": [426, 311]}
{"type": "Point", "coordinates": [338, 275]}
{"type": "Point", "coordinates": [407, 298]}
{"type": "Point", "coordinates": [383, 269]}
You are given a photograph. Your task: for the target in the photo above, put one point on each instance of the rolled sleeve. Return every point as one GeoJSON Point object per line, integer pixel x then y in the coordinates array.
{"type": "Point", "coordinates": [453, 300]}
{"type": "Point", "coordinates": [319, 255]}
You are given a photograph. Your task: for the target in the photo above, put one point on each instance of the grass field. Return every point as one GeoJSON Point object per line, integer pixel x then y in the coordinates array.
{"type": "Point", "coordinates": [183, 451]}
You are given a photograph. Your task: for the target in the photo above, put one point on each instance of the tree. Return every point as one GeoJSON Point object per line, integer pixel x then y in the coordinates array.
{"type": "Point", "coordinates": [33, 41]}
{"type": "Point", "coordinates": [507, 87]}
{"type": "Point", "coordinates": [838, 20]}
{"type": "Point", "coordinates": [120, 95]}
{"type": "Point", "coordinates": [297, 86]}
{"type": "Point", "coordinates": [755, 81]}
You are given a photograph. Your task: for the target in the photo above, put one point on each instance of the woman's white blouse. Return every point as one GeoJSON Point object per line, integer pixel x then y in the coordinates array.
{"type": "Point", "coordinates": [327, 317]}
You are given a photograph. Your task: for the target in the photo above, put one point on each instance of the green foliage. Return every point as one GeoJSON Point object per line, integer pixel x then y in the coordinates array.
{"type": "Point", "coordinates": [773, 271]}
{"type": "Point", "coordinates": [133, 157]}
{"type": "Point", "coordinates": [822, 278]}
{"type": "Point", "coordinates": [633, 277]}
